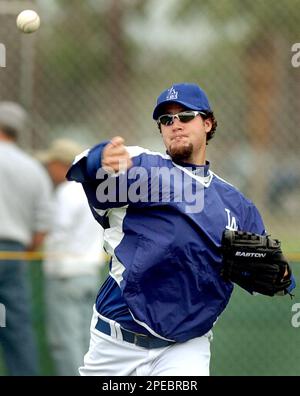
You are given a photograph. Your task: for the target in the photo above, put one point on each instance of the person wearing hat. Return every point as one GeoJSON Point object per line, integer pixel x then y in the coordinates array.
{"type": "Point", "coordinates": [164, 216]}
{"type": "Point", "coordinates": [73, 256]}
{"type": "Point", "coordinates": [25, 210]}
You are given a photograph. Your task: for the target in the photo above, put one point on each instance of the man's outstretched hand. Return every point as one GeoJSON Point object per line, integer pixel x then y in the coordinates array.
{"type": "Point", "coordinates": [115, 157]}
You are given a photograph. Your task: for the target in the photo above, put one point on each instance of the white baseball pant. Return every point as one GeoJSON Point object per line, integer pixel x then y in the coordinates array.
{"type": "Point", "coordinates": [111, 356]}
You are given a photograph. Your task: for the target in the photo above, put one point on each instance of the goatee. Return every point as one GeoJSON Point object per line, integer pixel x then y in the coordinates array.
{"type": "Point", "coordinates": [182, 153]}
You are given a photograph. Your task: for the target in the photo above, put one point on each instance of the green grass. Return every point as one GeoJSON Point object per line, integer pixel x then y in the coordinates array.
{"type": "Point", "coordinates": [254, 336]}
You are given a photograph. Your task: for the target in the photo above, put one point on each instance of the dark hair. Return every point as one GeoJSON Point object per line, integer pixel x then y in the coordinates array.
{"type": "Point", "coordinates": [208, 115]}
{"type": "Point", "coordinates": [211, 133]}
{"type": "Point", "coordinates": [10, 132]}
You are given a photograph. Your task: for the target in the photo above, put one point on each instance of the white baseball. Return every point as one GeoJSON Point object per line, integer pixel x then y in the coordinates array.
{"type": "Point", "coordinates": [28, 21]}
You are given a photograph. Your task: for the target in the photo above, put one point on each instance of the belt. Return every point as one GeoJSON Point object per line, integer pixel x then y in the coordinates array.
{"type": "Point", "coordinates": [141, 340]}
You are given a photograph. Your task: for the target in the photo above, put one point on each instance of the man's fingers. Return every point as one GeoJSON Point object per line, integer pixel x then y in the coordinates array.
{"type": "Point", "coordinates": [115, 155]}
{"type": "Point", "coordinates": [116, 151]}
{"type": "Point", "coordinates": [117, 164]}
{"type": "Point", "coordinates": [114, 161]}
{"type": "Point", "coordinates": [117, 141]}
{"type": "Point", "coordinates": [115, 147]}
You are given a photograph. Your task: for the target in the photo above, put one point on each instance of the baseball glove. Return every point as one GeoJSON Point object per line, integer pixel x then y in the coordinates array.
{"type": "Point", "coordinates": [255, 262]}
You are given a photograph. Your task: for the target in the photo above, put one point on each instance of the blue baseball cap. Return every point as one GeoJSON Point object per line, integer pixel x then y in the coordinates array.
{"type": "Point", "coordinates": [186, 94]}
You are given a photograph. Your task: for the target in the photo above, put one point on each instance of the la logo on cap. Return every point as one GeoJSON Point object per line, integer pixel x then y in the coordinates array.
{"type": "Point", "coordinates": [172, 94]}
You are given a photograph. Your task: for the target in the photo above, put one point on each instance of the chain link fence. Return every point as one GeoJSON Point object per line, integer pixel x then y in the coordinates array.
{"type": "Point", "coordinates": [95, 68]}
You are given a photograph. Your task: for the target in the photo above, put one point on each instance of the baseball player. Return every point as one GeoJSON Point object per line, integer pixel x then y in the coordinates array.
{"type": "Point", "coordinates": [164, 217]}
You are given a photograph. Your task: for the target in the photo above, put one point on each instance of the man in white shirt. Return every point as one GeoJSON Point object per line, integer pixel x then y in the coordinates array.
{"type": "Point", "coordinates": [73, 256]}
{"type": "Point", "coordinates": [25, 209]}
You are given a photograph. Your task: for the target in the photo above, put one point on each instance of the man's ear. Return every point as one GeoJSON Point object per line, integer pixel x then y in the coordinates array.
{"type": "Point", "coordinates": [207, 125]}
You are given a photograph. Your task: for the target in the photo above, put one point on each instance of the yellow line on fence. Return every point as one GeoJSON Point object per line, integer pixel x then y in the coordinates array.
{"type": "Point", "coordinates": [37, 256]}
{"type": "Point", "coordinates": [5, 255]}
{"type": "Point", "coordinates": [293, 256]}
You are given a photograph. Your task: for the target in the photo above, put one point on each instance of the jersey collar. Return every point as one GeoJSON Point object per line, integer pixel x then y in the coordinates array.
{"type": "Point", "coordinates": [201, 173]}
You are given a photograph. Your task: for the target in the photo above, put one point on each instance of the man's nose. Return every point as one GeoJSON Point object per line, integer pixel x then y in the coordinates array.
{"type": "Point", "coordinates": [176, 123]}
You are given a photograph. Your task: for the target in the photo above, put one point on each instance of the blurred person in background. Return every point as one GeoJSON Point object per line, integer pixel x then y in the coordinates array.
{"type": "Point", "coordinates": [73, 257]}
{"type": "Point", "coordinates": [25, 207]}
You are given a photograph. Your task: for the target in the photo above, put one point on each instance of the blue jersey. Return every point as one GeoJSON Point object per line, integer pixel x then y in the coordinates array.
{"type": "Point", "coordinates": [165, 256]}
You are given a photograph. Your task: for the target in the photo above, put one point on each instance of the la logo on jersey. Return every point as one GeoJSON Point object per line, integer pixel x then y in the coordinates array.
{"type": "Point", "coordinates": [231, 221]}
{"type": "Point", "coordinates": [172, 94]}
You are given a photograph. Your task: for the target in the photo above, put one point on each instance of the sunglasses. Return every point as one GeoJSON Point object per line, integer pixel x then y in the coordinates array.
{"type": "Point", "coordinates": [183, 116]}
